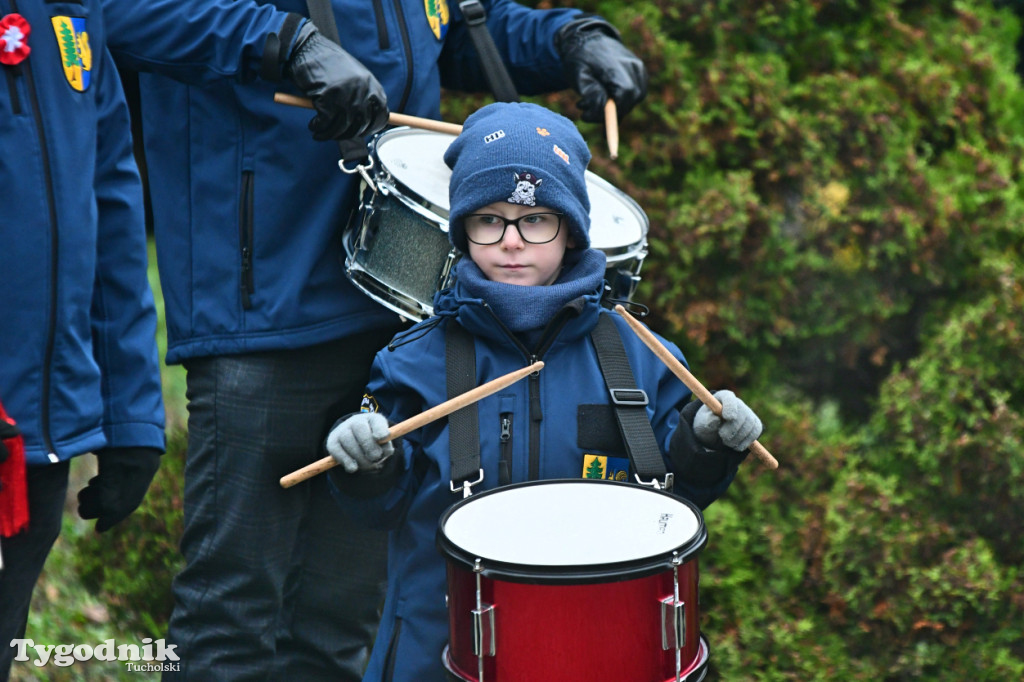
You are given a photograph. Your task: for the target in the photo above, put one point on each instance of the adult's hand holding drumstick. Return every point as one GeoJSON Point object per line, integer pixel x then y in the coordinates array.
{"type": "Point", "coordinates": [421, 419]}
{"type": "Point", "coordinates": [350, 101]}
{"type": "Point", "coordinates": [684, 375]}
{"type": "Point", "coordinates": [608, 76]}
{"type": "Point", "coordinates": [394, 119]}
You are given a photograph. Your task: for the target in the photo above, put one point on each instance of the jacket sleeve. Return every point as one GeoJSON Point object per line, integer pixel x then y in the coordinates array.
{"type": "Point", "coordinates": [525, 38]}
{"type": "Point", "coordinates": [701, 475]}
{"type": "Point", "coordinates": [380, 500]}
{"type": "Point", "coordinates": [193, 41]}
{"type": "Point", "coordinates": [123, 314]}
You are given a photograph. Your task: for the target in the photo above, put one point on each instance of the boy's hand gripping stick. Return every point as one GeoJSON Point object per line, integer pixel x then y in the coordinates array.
{"type": "Point", "coordinates": [703, 394]}
{"type": "Point", "coordinates": [421, 419]}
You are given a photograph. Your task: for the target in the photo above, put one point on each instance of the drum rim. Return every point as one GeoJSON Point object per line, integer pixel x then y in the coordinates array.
{"type": "Point", "coordinates": [697, 671]}
{"type": "Point", "coordinates": [392, 182]}
{"type": "Point", "coordinates": [576, 574]}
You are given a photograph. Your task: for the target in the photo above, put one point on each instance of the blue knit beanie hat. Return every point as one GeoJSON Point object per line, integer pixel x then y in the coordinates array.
{"type": "Point", "coordinates": [523, 154]}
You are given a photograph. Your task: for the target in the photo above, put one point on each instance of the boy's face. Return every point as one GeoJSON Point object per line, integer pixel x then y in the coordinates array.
{"type": "Point", "coordinates": [514, 261]}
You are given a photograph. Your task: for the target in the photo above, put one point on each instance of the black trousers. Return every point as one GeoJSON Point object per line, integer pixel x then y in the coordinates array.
{"type": "Point", "coordinates": [278, 583]}
{"type": "Point", "coordinates": [25, 553]}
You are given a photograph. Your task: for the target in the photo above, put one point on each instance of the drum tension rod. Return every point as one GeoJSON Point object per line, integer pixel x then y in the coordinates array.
{"type": "Point", "coordinates": [484, 643]}
{"type": "Point", "coordinates": [673, 618]}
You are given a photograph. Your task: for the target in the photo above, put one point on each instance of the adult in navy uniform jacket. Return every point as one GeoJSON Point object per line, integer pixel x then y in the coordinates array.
{"type": "Point", "coordinates": [78, 357]}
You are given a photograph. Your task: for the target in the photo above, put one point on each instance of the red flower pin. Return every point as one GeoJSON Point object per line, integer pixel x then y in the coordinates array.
{"type": "Point", "coordinates": [14, 32]}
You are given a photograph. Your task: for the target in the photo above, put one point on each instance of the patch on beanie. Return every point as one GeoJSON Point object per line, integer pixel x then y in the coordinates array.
{"type": "Point", "coordinates": [543, 132]}
{"type": "Point", "coordinates": [496, 135]}
{"type": "Point", "coordinates": [561, 154]}
{"type": "Point", "coordinates": [526, 185]}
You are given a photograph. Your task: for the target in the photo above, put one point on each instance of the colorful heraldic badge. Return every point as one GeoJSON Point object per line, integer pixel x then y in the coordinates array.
{"type": "Point", "coordinates": [606, 468]}
{"type": "Point", "coordinates": [76, 56]}
{"type": "Point", "coordinates": [437, 17]}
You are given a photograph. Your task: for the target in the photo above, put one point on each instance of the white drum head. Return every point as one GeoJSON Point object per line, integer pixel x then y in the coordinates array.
{"type": "Point", "coordinates": [617, 223]}
{"type": "Point", "coordinates": [415, 158]}
{"type": "Point", "coordinates": [571, 523]}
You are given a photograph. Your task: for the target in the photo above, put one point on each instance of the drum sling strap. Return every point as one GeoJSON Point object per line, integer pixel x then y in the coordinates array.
{"type": "Point", "coordinates": [628, 401]}
{"type": "Point", "coordinates": [630, 405]}
{"type": "Point", "coordinates": [322, 16]}
{"type": "Point", "coordinates": [494, 69]}
{"type": "Point", "coordinates": [463, 424]}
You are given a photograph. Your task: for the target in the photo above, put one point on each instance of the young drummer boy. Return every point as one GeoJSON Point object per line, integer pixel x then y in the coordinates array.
{"type": "Point", "coordinates": [529, 288]}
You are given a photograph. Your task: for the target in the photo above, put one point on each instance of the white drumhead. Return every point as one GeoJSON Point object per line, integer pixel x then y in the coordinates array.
{"type": "Point", "coordinates": [616, 221]}
{"type": "Point", "coordinates": [415, 158]}
{"type": "Point", "coordinates": [571, 523]}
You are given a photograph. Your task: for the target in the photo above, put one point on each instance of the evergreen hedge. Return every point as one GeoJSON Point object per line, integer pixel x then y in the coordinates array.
{"type": "Point", "coordinates": [836, 228]}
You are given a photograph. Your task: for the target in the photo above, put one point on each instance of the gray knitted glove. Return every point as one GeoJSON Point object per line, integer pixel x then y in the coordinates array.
{"type": "Point", "coordinates": [353, 443]}
{"type": "Point", "coordinates": [736, 429]}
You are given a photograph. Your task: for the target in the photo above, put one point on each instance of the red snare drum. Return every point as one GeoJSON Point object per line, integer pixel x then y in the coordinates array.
{"type": "Point", "coordinates": [573, 580]}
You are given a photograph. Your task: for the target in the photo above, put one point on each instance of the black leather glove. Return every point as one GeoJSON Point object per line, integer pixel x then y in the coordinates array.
{"type": "Point", "coordinates": [117, 490]}
{"type": "Point", "coordinates": [349, 101]}
{"type": "Point", "coordinates": [7, 430]}
{"type": "Point", "coordinates": [599, 66]}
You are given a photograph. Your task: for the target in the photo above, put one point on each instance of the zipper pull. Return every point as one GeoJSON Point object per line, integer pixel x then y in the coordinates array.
{"type": "Point", "coordinates": [506, 429]}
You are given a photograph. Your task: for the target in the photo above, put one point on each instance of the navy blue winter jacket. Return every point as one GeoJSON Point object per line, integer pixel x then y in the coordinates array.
{"type": "Point", "coordinates": [249, 209]}
{"type": "Point", "coordinates": [539, 428]}
{"type": "Point", "coordinates": [78, 358]}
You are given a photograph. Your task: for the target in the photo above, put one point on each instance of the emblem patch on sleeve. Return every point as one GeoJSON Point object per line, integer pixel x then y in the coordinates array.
{"type": "Point", "coordinates": [75, 53]}
{"type": "Point", "coordinates": [438, 17]}
{"type": "Point", "coordinates": [369, 404]}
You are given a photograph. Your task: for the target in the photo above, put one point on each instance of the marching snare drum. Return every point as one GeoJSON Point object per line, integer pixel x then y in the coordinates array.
{"type": "Point", "coordinates": [570, 580]}
{"type": "Point", "coordinates": [397, 250]}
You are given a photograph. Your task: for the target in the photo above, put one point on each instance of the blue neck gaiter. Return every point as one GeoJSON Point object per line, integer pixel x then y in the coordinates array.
{"type": "Point", "coordinates": [530, 308]}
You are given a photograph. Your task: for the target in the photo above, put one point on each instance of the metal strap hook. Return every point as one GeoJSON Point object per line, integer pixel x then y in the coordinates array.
{"type": "Point", "coordinates": [362, 169]}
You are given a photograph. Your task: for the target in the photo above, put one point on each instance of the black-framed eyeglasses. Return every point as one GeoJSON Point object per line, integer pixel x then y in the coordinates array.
{"type": "Point", "coordinates": [534, 228]}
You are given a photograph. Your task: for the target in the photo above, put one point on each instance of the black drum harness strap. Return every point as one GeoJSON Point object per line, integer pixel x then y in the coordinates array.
{"type": "Point", "coordinates": [630, 404]}
{"type": "Point", "coordinates": [464, 424]}
{"type": "Point", "coordinates": [494, 69]}
{"type": "Point", "coordinates": [322, 16]}
{"type": "Point", "coordinates": [628, 400]}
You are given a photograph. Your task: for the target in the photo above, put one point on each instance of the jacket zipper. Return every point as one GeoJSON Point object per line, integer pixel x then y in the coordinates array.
{"type": "Point", "coordinates": [13, 73]}
{"type": "Point", "coordinates": [505, 457]}
{"type": "Point", "coordinates": [392, 656]}
{"type": "Point", "coordinates": [536, 412]}
{"type": "Point", "coordinates": [246, 230]}
{"type": "Point", "coordinates": [51, 322]}
{"type": "Point", "coordinates": [382, 28]}
{"type": "Point", "coordinates": [407, 46]}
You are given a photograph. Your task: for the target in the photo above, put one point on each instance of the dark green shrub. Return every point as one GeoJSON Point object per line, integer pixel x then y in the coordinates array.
{"type": "Point", "coordinates": [836, 221]}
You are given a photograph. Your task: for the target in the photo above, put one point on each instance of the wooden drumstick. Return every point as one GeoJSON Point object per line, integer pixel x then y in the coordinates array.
{"type": "Point", "coordinates": [393, 118]}
{"type": "Point", "coordinates": [421, 419]}
{"type": "Point", "coordinates": [611, 128]}
{"type": "Point", "coordinates": [679, 369]}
